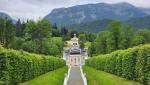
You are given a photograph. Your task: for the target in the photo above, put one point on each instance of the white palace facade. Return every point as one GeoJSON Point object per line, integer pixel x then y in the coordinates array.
{"type": "Point", "coordinates": [73, 54]}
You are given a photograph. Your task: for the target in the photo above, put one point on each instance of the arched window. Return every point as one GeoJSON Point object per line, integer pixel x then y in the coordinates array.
{"type": "Point", "coordinates": [74, 43]}
{"type": "Point", "coordinates": [78, 59]}
{"type": "Point", "coordinates": [75, 60]}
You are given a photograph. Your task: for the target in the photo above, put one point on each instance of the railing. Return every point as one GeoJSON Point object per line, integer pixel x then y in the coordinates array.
{"type": "Point", "coordinates": [83, 76]}
{"type": "Point", "coordinates": [67, 76]}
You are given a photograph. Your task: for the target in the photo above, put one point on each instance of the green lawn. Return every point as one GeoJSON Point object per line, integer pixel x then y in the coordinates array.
{"type": "Point", "coordinates": [51, 78]}
{"type": "Point", "coordinates": [96, 77]}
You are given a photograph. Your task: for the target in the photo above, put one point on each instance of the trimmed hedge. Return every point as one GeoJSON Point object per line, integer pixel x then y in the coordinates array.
{"type": "Point", "coordinates": [132, 64]}
{"type": "Point", "coordinates": [21, 66]}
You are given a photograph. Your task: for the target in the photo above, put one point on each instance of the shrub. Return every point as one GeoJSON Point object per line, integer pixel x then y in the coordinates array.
{"type": "Point", "coordinates": [20, 66]}
{"type": "Point", "coordinates": [133, 63]}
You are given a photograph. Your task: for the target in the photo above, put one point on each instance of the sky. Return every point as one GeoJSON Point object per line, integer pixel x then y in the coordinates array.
{"type": "Point", "coordinates": [36, 9]}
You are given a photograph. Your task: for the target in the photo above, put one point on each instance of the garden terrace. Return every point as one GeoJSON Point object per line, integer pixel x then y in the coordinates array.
{"type": "Point", "coordinates": [21, 66]}
{"type": "Point", "coordinates": [132, 64]}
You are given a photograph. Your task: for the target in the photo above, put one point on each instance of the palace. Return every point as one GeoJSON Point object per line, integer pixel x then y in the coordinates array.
{"type": "Point", "coordinates": [73, 54]}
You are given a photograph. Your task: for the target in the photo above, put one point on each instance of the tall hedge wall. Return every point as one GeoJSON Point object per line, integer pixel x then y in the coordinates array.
{"type": "Point", "coordinates": [20, 66]}
{"type": "Point", "coordinates": [133, 63]}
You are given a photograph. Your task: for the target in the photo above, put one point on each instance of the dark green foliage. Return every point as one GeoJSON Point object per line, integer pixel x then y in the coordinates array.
{"type": "Point", "coordinates": [101, 42]}
{"type": "Point", "coordinates": [142, 36]}
{"type": "Point", "coordinates": [139, 22]}
{"type": "Point", "coordinates": [126, 37]}
{"type": "Point", "coordinates": [133, 63]}
{"type": "Point", "coordinates": [20, 66]}
{"type": "Point", "coordinates": [7, 32]}
{"type": "Point", "coordinates": [118, 36]}
{"type": "Point", "coordinates": [37, 37]}
{"type": "Point", "coordinates": [148, 68]}
{"type": "Point", "coordinates": [34, 37]}
{"type": "Point", "coordinates": [143, 66]}
{"type": "Point", "coordinates": [93, 26]}
{"type": "Point", "coordinates": [20, 28]}
{"type": "Point", "coordinates": [145, 33]}
{"type": "Point", "coordinates": [118, 67]}
{"type": "Point", "coordinates": [128, 64]}
{"type": "Point", "coordinates": [114, 36]}
{"type": "Point", "coordinates": [100, 25]}
{"type": "Point", "coordinates": [64, 31]}
{"type": "Point", "coordinates": [91, 49]}
{"type": "Point", "coordinates": [138, 40]}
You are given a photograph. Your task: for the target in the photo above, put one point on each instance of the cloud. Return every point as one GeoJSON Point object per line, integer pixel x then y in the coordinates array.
{"type": "Point", "coordinates": [33, 9]}
{"type": "Point", "coordinates": [140, 3]}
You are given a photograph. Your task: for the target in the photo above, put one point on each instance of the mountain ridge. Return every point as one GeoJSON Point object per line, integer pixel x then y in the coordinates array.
{"type": "Point", "coordinates": [4, 15]}
{"type": "Point", "coordinates": [146, 10]}
{"type": "Point", "coordinates": [100, 25]}
{"type": "Point", "coordinates": [91, 12]}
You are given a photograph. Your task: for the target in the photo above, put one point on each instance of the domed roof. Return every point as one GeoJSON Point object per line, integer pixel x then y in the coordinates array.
{"type": "Point", "coordinates": [74, 38]}
{"type": "Point", "coordinates": [75, 50]}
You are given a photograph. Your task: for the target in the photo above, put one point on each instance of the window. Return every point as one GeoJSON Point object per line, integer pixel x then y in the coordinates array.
{"type": "Point", "coordinates": [74, 43]}
{"type": "Point", "coordinates": [75, 60]}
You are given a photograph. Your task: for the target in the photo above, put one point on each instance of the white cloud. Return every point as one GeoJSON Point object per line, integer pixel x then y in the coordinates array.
{"type": "Point", "coordinates": [33, 9]}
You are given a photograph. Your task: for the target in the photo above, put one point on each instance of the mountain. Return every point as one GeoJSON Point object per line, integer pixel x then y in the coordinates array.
{"type": "Point", "coordinates": [91, 12]}
{"type": "Point", "coordinates": [93, 26]}
{"type": "Point", "coordinates": [146, 10]}
{"type": "Point", "coordinates": [100, 25]}
{"type": "Point", "coordinates": [141, 22]}
{"type": "Point", "coordinates": [4, 15]}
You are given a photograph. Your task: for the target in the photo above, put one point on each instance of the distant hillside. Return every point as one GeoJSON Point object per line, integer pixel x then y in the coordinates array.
{"type": "Point", "coordinates": [4, 15]}
{"type": "Point", "coordinates": [99, 25]}
{"type": "Point", "coordinates": [93, 26]}
{"type": "Point", "coordinates": [91, 12]}
{"type": "Point", "coordinates": [146, 10]}
{"type": "Point", "coordinates": [141, 22]}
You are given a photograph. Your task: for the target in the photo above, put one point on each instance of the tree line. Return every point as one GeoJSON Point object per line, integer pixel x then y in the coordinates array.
{"type": "Point", "coordinates": [36, 37]}
{"type": "Point", "coordinates": [43, 37]}
{"type": "Point", "coordinates": [40, 37]}
{"type": "Point", "coordinates": [118, 36]}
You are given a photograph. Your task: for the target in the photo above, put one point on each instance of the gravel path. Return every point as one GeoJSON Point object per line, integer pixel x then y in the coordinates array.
{"type": "Point", "coordinates": [75, 77]}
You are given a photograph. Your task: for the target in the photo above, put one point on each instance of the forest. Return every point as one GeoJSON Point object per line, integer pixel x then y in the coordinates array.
{"type": "Point", "coordinates": [38, 45]}
{"type": "Point", "coordinates": [118, 36]}
{"type": "Point", "coordinates": [43, 37]}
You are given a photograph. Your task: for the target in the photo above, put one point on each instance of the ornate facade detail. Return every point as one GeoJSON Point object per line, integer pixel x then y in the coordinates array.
{"type": "Point", "coordinates": [73, 54]}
